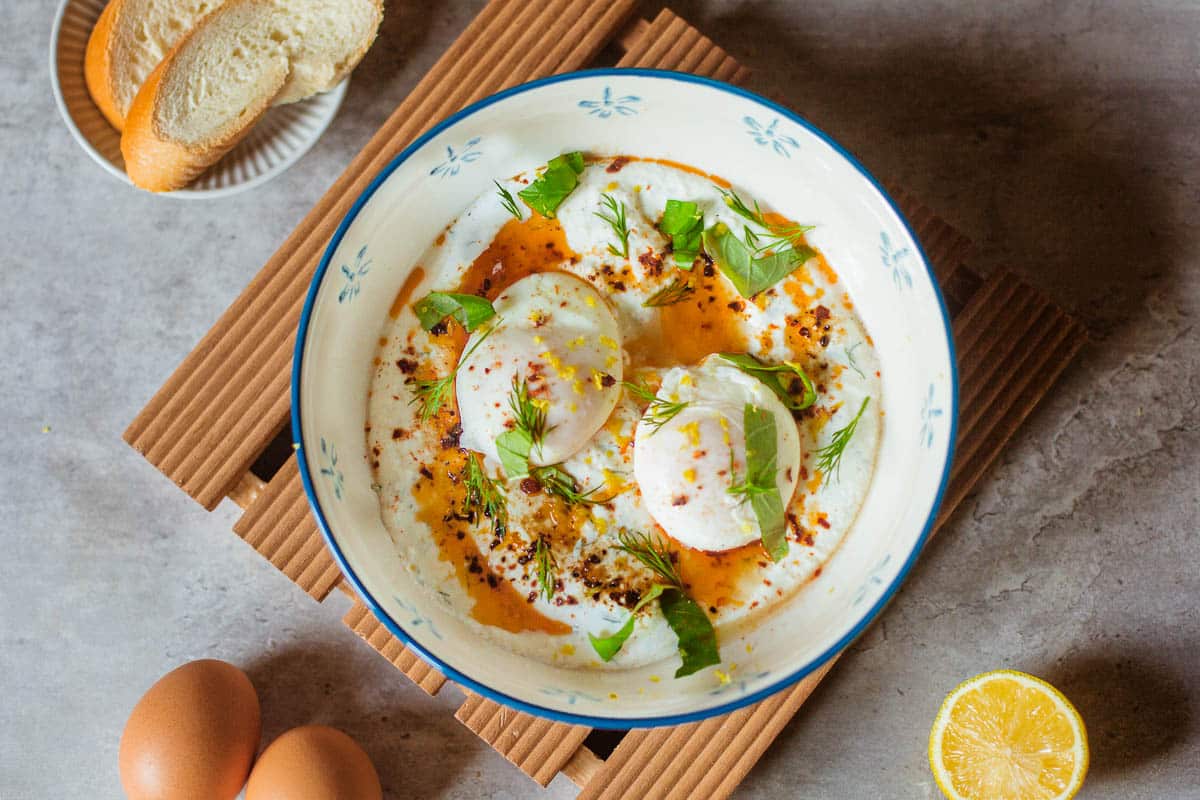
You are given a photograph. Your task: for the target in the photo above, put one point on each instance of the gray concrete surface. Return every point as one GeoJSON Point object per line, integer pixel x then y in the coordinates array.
{"type": "Point", "coordinates": [1062, 136]}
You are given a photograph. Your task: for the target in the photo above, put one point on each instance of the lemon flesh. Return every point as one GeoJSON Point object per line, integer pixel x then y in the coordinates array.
{"type": "Point", "coordinates": [1005, 735]}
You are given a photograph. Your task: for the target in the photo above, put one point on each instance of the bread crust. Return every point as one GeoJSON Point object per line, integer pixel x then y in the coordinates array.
{"type": "Point", "coordinates": [158, 164]}
{"type": "Point", "coordinates": [97, 65]}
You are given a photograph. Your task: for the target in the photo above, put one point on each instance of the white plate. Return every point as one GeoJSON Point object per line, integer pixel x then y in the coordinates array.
{"type": "Point", "coordinates": [278, 140]}
{"type": "Point", "coordinates": [774, 156]}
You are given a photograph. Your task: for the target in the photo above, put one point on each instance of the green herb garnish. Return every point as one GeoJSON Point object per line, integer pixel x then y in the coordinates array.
{"type": "Point", "coordinates": [512, 447]}
{"type": "Point", "coordinates": [779, 236]}
{"type": "Point", "coordinates": [654, 553]}
{"type": "Point", "coordinates": [557, 481]}
{"type": "Point", "coordinates": [530, 414]}
{"type": "Point", "coordinates": [484, 497]}
{"type": "Point", "coordinates": [546, 564]}
{"type": "Point", "coordinates": [758, 485]}
{"type": "Point", "coordinates": [659, 411]}
{"type": "Point", "coordinates": [829, 457]}
{"type": "Point", "coordinates": [694, 631]}
{"type": "Point", "coordinates": [616, 220]}
{"type": "Point", "coordinates": [507, 200]}
{"type": "Point", "coordinates": [684, 223]}
{"type": "Point", "coordinates": [750, 273]}
{"type": "Point", "coordinates": [529, 428]}
{"type": "Point", "coordinates": [467, 310]}
{"type": "Point", "coordinates": [770, 374]}
{"type": "Point", "coordinates": [608, 646]}
{"type": "Point", "coordinates": [559, 179]}
{"type": "Point", "coordinates": [676, 291]}
{"type": "Point", "coordinates": [430, 393]}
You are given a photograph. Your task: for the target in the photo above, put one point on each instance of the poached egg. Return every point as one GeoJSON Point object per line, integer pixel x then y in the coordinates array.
{"type": "Point", "coordinates": [556, 333]}
{"type": "Point", "coordinates": [686, 466]}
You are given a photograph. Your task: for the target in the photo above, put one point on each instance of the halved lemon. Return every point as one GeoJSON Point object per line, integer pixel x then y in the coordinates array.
{"type": "Point", "coordinates": [1005, 735]}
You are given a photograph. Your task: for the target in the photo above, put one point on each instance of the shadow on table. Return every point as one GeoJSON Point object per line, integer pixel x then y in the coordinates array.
{"type": "Point", "coordinates": [1136, 711]}
{"type": "Point", "coordinates": [319, 683]}
{"type": "Point", "coordinates": [1022, 149]}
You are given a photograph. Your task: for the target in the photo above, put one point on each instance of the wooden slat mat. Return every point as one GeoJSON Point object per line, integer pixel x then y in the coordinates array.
{"type": "Point", "coordinates": [225, 403]}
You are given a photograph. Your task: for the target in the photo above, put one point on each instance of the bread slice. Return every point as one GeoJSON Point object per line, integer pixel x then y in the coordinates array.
{"type": "Point", "coordinates": [219, 79]}
{"type": "Point", "coordinates": [128, 41]}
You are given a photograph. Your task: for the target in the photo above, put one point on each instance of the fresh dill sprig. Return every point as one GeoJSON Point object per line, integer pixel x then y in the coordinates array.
{"type": "Point", "coordinates": [676, 291]}
{"type": "Point", "coordinates": [429, 393]}
{"type": "Point", "coordinates": [654, 553]}
{"type": "Point", "coordinates": [546, 564]}
{"type": "Point", "coordinates": [484, 496]}
{"type": "Point", "coordinates": [780, 236]}
{"type": "Point", "coordinates": [660, 411]}
{"type": "Point", "coordinates": [557, 481]}
{"type": "Point", "coordinates": [528, 413]}
{"type": "Point", "coordinates": [829, 457]}
{"type": "Point", "coordinates": [508, 201]}
{"type": "Point", "coordinates": [853, 363]}
{"type": "Point", "coordinates": [617, 222]}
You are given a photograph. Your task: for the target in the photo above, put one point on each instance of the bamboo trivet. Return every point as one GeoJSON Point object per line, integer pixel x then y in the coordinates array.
{"type": "Point", "coordinates": [226, 404]}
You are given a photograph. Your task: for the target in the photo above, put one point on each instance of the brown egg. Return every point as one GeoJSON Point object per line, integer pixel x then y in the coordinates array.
{"type": "Point", "coordinates": [314, 762]}
{"type": "Point", "coordinates": [192, 736]}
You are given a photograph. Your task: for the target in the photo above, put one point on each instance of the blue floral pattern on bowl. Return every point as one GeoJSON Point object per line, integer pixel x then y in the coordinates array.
{"type": "Point", "coordinates": [608, 105]}
{"type": "Point", "coordinates": [770, 135]}
{"type": "Point", "coordinates": [572, 696]}
{"type": "Point", "coordinates": [329, 468]}
{"type": "Point", "coordinates": [455, 159]}
{"type": "Point", "coordinates": [929, 416]}
{"type": "Point", "coordinates": [417, 618]}
{"type": "Point", "coordinates": [894, 260]}
{"type": "Point", "coordinates": [873, 579]}
{"type": "Point", "coordinates": [354, 276]}
{"type": "Point", "coordinates": [739, 683]}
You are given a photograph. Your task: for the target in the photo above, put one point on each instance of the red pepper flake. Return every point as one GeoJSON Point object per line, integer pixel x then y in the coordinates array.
{"type": "Point", "coordinates": [736, 305]}
{"type": "Point", "coordinates": [679, 500]}
{"type": "Point", "coordinates": [406, 365]}
{"type": "Point", "coordinates": [530, 485]}
{"type": "Point", "coordinates": [400, 433]}
{"type": "Point", "coordinates": [652, 262]}
{"type": "Point", "coordinates": [607, 380]}
{"type": "Point", "coordinates": [617, 164]}
{"type": "Point", "coordinates": [821, 313]}
{"type": "Point", "coordinates": [824, 523]}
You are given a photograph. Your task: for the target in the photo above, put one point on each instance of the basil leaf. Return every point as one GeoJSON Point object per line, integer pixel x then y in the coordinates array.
{"type": "Point", "coordinates": [684, 223]}
{"type": "Point", "coordinates": [748, 274]}
{"type": "Point", "coordinates": [513, 449]}
{"type": "Point", "coordinates": [608, 646]}
{"type": "Point", "coordinates": [772, 524]}
{"type": "Point", "coordinates": [561, 177]}
{"type": "Point", "coordinates": [761, 467]}
{"type": "Point", "coordinates": [468, 310]}
{"type": "Point", "coordinates": [573, 159]}
{"type": "Point", "coordinates": [693, 629]}
{"type": "Point", "coordinates": [770, 374]}
{"type": "Point", "coordinates": [759, 485]}
{"type": "Point", "coordinates": [680, 216]}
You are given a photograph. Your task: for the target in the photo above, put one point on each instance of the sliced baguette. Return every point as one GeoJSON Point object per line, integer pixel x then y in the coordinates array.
{"type": "Point", "coordinates": [128, 41]}
{"type": "Point", "coordinates": [213, 86]}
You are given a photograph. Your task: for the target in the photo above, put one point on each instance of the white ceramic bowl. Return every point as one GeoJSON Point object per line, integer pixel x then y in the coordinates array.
{"type": "Point", "coordinates": [777, 158]}
{"type": "Point", "coordinates": [275, 143]}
